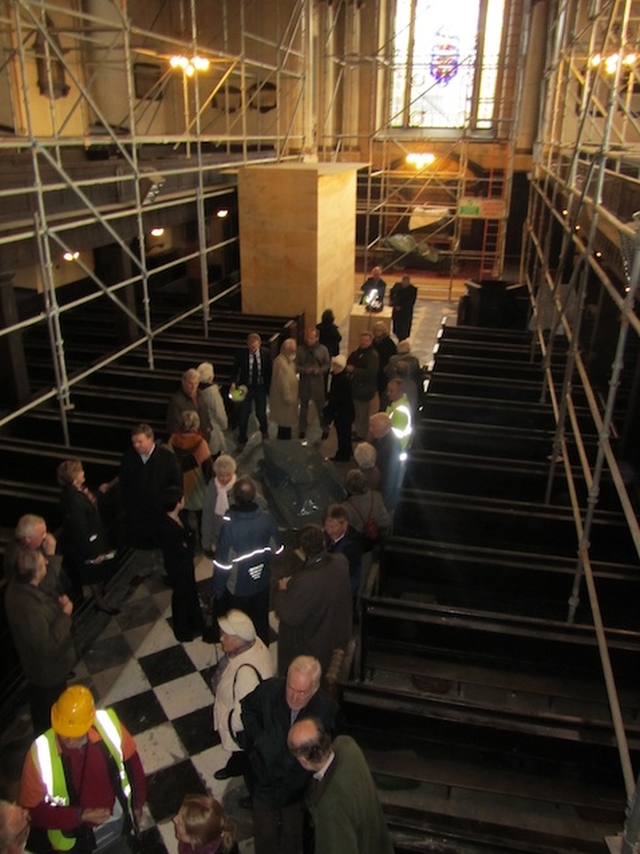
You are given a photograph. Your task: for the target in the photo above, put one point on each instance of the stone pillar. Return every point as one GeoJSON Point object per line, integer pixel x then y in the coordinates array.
{"type": "Point", "coordinates": [297, 238]}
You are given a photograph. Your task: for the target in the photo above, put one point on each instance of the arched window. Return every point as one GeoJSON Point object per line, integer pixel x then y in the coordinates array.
{"type": "Point", "coordinates": [445, 63]}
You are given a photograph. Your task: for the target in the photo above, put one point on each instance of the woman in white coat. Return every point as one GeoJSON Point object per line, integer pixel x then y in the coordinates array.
{"type": "Point", "coordinates": [245, 664]}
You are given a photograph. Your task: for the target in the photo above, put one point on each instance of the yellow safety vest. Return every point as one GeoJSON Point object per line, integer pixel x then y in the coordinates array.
{"type": "Point", "coordinates": [401, 421]}
{"type": "Point", "coordinates": [48, 761]}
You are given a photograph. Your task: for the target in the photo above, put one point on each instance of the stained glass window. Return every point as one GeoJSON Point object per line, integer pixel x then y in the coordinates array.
{"type": "Point", "coordinates": [445, 67]}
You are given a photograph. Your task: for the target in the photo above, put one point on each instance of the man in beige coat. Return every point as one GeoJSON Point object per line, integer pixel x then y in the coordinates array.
{"type": "Point", "coordinates": [283, 395]}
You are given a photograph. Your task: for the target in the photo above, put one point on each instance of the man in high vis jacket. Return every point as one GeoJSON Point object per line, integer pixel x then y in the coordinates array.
{"type": "Point", "coordinates": [82, 780]}
{"type": "Point", "coordinates": [399, 411]}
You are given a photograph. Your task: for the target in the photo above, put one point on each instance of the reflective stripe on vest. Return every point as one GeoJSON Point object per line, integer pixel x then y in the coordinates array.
{"type": "Point", "coordinates": [49, 763]}
{"type": "Point", "coordinates": [401, 410]}
{"type": "Point", "coordinates": [108, 726]}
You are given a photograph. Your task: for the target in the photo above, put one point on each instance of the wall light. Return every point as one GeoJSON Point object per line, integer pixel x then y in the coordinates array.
{"type": "Point", "coordinates": [71, 256]}
{"type": "Point", "coordinates": [612, 61]}
{"type": "Point", "coordinates": [222, 213]}
{"type": "Point", "coordinates": [157, 232]}
{"type": "Point", "coordinates": [190, 66]}
{"type": "Point", "coordinates": [420, 160]}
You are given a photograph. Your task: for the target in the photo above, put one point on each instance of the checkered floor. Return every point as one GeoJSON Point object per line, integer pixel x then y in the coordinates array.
{"type": "Point", "coordinates": [160, 691]}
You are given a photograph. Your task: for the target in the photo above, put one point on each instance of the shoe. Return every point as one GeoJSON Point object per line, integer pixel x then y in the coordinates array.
{"type": "Point", "coordinates": [233, 768]}
{"type": "Point", "coordinates": [106, 609]}
{"type": "Point", "coordinates": [245, 802]}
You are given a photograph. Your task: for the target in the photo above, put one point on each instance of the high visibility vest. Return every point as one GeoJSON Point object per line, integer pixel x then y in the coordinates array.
{"type": "Point", "coordinates": [401, 420]}
{"type": "Point", "coordinates": [48, 761]}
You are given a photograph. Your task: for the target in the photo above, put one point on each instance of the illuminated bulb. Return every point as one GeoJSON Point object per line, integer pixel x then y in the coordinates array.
{"type": "Point", "coordinates": [595, 60]}
{"type": "Point", "coordinates": [71, 256]}
{"type": "Point", "coordinates": [577, 228]}
{"type": "Point", "coordinates": [629, 59]}
{"type": "Point", "coordinates": [420, 160]}
{"type": "Point", "coordinates": [157, 232]}
{"type": "Point", "coordinates": [189, 70]}
{"type": "Point", "coordinates": [611, 63]}
{"type": "Point", "coordinates": [222, 213]}
{"type": "Point", "coordinates": [174, 62]}
{"type": "Point", "coordinates": [201, 63]}
{"type": "Point", "coordinates": [564, 212]}
{"type": "Point", "coordinates": [598, 254]}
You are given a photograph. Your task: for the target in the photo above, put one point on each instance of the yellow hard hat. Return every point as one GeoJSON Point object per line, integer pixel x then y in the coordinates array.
{"type": "Point", "coordinates": [73, 712]}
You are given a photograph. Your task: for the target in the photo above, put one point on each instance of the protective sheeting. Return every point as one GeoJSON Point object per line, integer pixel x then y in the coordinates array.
{"type": "Point", "coordinates": [299, 483]}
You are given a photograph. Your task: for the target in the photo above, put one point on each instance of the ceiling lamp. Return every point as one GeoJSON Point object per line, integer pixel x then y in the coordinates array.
{"type": "Point", "coordinates": [71, 256]}
{"type": "Point", "coordinates": [157, 232]}
{"type": "Point", "coordinates": [222, 213]}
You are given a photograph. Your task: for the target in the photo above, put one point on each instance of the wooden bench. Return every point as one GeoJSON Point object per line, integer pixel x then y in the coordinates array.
{"type": "Point", "coordinates": [458, 575]}
{"type": "Point", "coordinates": [495, 477]}
{"type": "Point", "coordinates": [540, 529]}
{"type": "Point", "coordinates": [490, 440]}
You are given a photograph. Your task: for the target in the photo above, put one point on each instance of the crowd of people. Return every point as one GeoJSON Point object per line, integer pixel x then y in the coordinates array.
{"type": "Point", "coordinates": [83, 783]}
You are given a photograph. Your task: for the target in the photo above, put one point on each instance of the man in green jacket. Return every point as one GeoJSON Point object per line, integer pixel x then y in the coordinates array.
{"type": "Point", "coordinates": [342, 798]}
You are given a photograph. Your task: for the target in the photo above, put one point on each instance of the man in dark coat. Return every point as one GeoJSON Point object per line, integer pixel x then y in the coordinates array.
{"type": "Point", "coordinates": [386, 349]}
{"type": "Point", "coordinates": [275, 780]}
{"type": "Point", "coordinates": [403, 298]}
{"type": "Point", "coordinates": [252, 370]}
{"type": "Point", "coordinates": [362, 365]}
{"type": "Point", "coordinates": [312, 364]}
{"type": "Point", "coordinates": [342, 539]}
{"type": "Point", "coordinates": [314, 604]}
{"type": "Point", "coordinates": [147, 468]}
{"type": "Point", "coordinates": [188, 398]}
{"type": "Point", "coordinates": [40, 626]}
{"type": "Point", "coordinates": [340, 409]}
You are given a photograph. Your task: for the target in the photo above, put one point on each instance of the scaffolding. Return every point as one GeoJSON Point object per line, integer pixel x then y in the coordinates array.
{"type": "Point", "coordinates": [438, 199]}
{"type": "Point", "coordinates": [122, 126]}
{"type": "Point", "coordinates": [581, 264]}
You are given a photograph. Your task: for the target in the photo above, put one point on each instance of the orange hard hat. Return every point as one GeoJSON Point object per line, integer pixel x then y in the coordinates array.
{"type": "Point", "coordinates": [73, 712]}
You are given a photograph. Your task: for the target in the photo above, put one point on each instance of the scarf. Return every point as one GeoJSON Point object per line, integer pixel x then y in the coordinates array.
{"type": "Point", "coordinates": [222, 496]}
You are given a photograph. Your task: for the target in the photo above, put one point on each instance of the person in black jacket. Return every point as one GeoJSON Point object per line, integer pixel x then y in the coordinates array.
{"type": "Point", "coordinates": [276, 782]}
{"type": "Point", "coordinates": [339, 408]}
{"type": "Point", "coordinates": [87, 556]}
{"type": "Point", "coordinates": [147, 467]}
{"type": "Point", "coordinates": [342, 539]}
{"type": "Point", "coordinates": [252, 370]}
{"type": "Point", "coordinates": [178, 543]}
{"type": "Point", "coordinates": [328, 332]}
